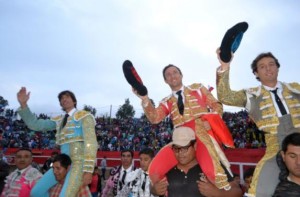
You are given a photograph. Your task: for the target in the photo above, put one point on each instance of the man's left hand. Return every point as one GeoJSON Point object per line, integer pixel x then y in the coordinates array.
{"type": "Point", "coordinates": [206, 125]}
{"type": "Point", "coordinates": [86, 178]}
{"type": "Point", "coordinates": [207, 188]}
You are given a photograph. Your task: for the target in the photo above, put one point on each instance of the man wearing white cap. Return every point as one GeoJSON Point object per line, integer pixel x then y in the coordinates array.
{"type": "Point", "coordinates": [186, 178]}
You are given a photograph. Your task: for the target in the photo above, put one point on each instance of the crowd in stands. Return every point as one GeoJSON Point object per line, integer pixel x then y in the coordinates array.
{"type": "Point", "coordinates": [243, 130]}
{"type": "Point", "coordinates": [116, 135]}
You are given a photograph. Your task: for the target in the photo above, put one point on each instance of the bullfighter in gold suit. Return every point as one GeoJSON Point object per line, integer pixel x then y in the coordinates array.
{"type": "Point", "coordinates": [75, 133]}
{"type": "Point", "coordinates": [277, 115]}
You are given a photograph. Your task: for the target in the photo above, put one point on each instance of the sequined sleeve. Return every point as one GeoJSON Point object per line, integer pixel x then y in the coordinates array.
{"type": "Point", "coordinates": [155, 115]}
{"type": "Point", "coordinates": [90, 143]}
{"type": "Point", "coordinates": [226, 95]}
{"type": "Point", "coordinates": [212, 102]}
{"type": "Point", "coordinates": [35, 124]}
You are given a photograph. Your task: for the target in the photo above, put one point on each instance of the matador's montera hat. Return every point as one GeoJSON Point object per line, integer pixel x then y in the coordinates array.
{"type": "Point", "coordinates": [133, 78]}
{"type": "Point", "coordinates": [231, 40]}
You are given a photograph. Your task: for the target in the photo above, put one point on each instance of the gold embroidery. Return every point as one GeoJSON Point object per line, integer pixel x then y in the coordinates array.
{"type": "Point", "coordinates": [57, 118]}
{"type": "Point", "coordinates": [271, 151]}
{"type": "Point", "coordinates": [266, 122]}
{"type": "Point", "coordinates": [78, 115]}
{"type": "Point", "coordinates": [76, 173]}
{"type": "Point", "coordinates": [192, 111]}
{"type": "Point", "coordinates": [221, 180]}
{"type": "Point", "coordinates": [64, 140]}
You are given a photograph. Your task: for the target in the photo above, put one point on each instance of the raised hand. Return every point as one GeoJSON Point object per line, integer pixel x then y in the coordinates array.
{"type": "Point", "coordinates": [23, 96]}
{"type": "Point", "coordinates": [86, 178]}
{"type": "Point", "coordinates": [224, 65]}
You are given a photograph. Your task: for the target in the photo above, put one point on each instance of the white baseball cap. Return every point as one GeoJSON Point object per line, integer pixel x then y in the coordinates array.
{"type": "Point", "coordinates": [182, 136]}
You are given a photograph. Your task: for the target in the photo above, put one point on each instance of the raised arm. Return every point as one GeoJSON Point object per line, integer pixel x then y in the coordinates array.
{"type": "Point", "coordinates": [154, 115]}
{"type": "Point", "coordinates": [23, 96]}
{"type": "Point", "coordinates": [28, 117]}
{"type": "Point", "coordinates": [212, 102]}
{"type": "Point", "coordinates": [224, 92]}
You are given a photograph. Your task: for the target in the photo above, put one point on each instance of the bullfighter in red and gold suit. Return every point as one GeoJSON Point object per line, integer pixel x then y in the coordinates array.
{"type": "Point", "coordinates": [198, 110]}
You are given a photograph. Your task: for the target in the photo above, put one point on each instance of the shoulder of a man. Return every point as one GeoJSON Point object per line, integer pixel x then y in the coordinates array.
{"type": "Point", "coordinates": [79, 115]}
{"type": "Point", "coordinates": [166, 99]}
{"type": "Point", "coordinates": [253, 91]}
{"type": "Point", "coordinates": [294, 87]}
{"type": "Point", "coordinates": [287, 188]}
{"type": "Point", "coordinates": [195, 86]}
{"type": "Point", "coordinates": [57, 118]}
{"type": "Point", "coordinates": [33, 174]}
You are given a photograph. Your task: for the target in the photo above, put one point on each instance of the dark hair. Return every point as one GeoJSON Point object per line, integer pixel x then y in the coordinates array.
{"type": "Point", "coordinates": [24, 149]}
{"type": "Point", "coordinates": [236, 175]}
{"type": "Point", "coordinates": [147, 151]}
{"type": "Point", "coordinates": [69, 93]}
{"type": "Point", "coordinates": [127, 150]}
{"type": "Point", "coordinates": [284, 172]}
{"type": "Point", "coordinates": [64, 160]}
{"type": "Point", "coordinates": [249, 172]}
{"type": "Point", "coordinates": [54, 153]}
{"type": "Point", "coordinates": [170, 65]}
{"type": "Point", "coordinates": [259, 57]}
{"type": "Point", "coordinates": [293, 139]}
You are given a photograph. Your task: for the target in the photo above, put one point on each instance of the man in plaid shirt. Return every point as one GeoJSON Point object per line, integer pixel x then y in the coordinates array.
{"type": "Point", "coordinates": [61, 166]}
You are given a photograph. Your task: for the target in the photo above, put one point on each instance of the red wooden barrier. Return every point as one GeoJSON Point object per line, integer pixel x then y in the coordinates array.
{"type": "Point", "coordinates": [113, 158]}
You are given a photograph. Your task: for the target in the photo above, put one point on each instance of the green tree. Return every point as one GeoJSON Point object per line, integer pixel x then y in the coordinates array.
{"type": "Point", "coordinates": [125, 111]}
{"type": "Point", "coordinates": [90, 109]}
{"type": "Point", "coordinates": [3, 103]}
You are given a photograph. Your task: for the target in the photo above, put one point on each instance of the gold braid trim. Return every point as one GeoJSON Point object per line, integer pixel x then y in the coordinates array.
{"type": "Point", "coordinates": [221, 180]}
{"type": "Point", "coordinates": [63, 140]}
{"type": "Point", "coordinates": [270, 125]}
{"type": "Point", "coordinates": [271, 151]}
{"type": "Point", "coordinates": [75, 180]}
{"type": "Point", "coordinates": [269, 121]}
{"type": "Point", "coordinates": [295, 86]}
{"type": "Point", "coordinates": [90, 144]}
{"type": "Point", "coordinates": [76, 172]}
{"type": "Point", "coordinates": [293, 105]}
{"type": "Point", "coordinates": [192, 109]}
{"type": "Point", "coordinates": [57, 118]}
{"type": "Point", "coordinates": [226, 95]}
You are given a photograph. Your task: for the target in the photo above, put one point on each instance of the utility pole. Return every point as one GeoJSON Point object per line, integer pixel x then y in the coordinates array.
{"type": "Point", "coordinates": [110, 113]}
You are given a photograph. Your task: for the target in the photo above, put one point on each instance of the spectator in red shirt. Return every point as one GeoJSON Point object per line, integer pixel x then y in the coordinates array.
{"type": "Point", "coordinates": [95, 186]}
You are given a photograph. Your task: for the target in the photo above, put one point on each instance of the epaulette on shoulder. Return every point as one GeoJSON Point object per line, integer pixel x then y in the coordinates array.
{"type": "Point", "coordinates": [253, 90]}
{"type": "Point", "coordinates": [295, 86]}
{"type": "Point", "coordinates": [195, 86]}
{"type": "Point", "coordinates": [166, 99]}
{"type": "Point", "coordinates": [57, 118]}
{"type": "Point", "coordinates": [78, 115]}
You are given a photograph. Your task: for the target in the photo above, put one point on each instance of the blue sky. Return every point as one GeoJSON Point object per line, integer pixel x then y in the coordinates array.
{"type": "Point", "coordinates": [50, 46]}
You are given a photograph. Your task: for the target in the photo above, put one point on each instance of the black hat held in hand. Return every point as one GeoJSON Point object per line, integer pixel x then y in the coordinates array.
{"type": "Point", "coordinates": [232, 40]}
{"type": "Point", "coordinates": [133, 78]}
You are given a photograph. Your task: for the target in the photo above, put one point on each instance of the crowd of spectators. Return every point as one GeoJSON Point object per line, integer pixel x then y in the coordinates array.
{"type": "Point", "coordinates": [243, 130]}
{"type": "Point", "coordinates": [119, 134]}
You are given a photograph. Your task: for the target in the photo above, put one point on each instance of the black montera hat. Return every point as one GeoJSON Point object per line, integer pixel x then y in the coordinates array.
{"type": "Point", "coordinates": [231, 40]}
{"type": "Point", "coordinates": [133, 78]}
